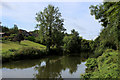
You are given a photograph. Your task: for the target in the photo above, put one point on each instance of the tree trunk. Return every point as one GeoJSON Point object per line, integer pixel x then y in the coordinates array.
{"type": "Point", "coordinates": [49, 40]}
{"type": "Point", "coordinates": [48, 48]}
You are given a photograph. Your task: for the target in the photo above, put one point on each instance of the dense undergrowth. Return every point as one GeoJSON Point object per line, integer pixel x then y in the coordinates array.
{"type": "Point", "coordinates": [105, 66]}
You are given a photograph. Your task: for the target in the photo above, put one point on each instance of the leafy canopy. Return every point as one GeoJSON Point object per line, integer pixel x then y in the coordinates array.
{"type": "Point", "coordinates": [51, 27]}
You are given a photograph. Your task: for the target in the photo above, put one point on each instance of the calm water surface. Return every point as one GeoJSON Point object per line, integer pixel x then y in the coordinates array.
{"type": "Point", "coordinates": [50, 67]}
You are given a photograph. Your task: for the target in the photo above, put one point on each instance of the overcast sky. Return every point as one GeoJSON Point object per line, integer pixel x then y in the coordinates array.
{"type": "Point", "coordinates": [76, 16]}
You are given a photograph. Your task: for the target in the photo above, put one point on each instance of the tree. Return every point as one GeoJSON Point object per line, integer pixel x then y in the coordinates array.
{"type": "Point", "coordinates": [50, 24]}
{"type": "Point", "coordinates": [113, 15]}
{"type": "Point", "coordinates": [108, 14]}
{"type": "Point", "coordinates": [72, 42]}
{"type": "Point", "coordinates": [19, 37]}
{"type": "Point", "coordinates": [14, 30]}
{"type": "Point", "coordinates": [5, 29]}
{"type": "Point", "coordinates": [98, 11]}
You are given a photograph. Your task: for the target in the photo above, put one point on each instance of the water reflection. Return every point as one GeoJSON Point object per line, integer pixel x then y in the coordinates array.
{"type": "Point", "coordinates": [50, 67]}
{"type": "Point", "coordinates": [54, 67]}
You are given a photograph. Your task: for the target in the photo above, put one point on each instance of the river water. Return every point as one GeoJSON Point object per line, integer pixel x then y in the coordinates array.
{"type": "Point", "coordinates": [50, 67]}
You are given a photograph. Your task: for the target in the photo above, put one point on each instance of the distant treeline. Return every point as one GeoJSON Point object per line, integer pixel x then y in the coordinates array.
{"type": "Point", "coordinates": [71, 42]}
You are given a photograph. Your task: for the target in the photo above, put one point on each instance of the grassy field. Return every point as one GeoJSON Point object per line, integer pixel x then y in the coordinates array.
{"type": "Point", "coordinates": [6, 46]}
{"type": "Point", "coordinates": [12, 51]}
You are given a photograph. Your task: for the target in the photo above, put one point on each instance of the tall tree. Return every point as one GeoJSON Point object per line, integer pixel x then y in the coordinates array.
{"type": "Point", "coordinates": [50, 24]}
{"type": "Point", "coordinates": [113, 15]}
{"type": "Point", "coordinates": [108, 14]}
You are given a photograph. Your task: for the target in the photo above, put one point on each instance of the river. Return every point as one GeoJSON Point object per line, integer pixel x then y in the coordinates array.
{"type": "Point", "coordinates": [71, 66]}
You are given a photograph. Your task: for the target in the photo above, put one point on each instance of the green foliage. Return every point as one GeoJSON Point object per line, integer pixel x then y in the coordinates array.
{"type": "Point", "coordinates": [23, 53]}
{"type": "Point", "coordinates": [98, 12]}
{"type": "Point", "coordinates": [29, 52]}
{"type": "Point", "coordinates": [25, 50]}
{"type": "Point", "coordinates": [12, 37]}
{"type": "Point", "coordinates": [57, 39]}
{"type": "Point", "coordinates": [19, 37]}
{"type": "Point", "coordinates": [107, 65]}
{"type": "Point", "coordinates": [91, 63]}
{"type": "Point", "coordinates": [85, 45]}
{"type": "Point", "coordinates": [13, 30]}
{"type": "Point", "coordinates": [71, 43]}
{"type": "Point", "coordinates": [109, 38]}
{"type": "Point", "coordinates": [5, 29]}
{"type": "Point", "coordinates": [12, 34]}
{"type": "Point", "coordinates": [31, 38]}
{"type": "Point", "coordinates": [67, 43]}
{"type": "Point", "coordinates": [74, 43]}
{"type": "Point", "coordinates": [51, 26]}
{"type": "Point", "coordinates": [86, 75]}
{"type": "Point", "coordinates": [92, 45]}
{"type": "Point", "coordinates": [12, 50]}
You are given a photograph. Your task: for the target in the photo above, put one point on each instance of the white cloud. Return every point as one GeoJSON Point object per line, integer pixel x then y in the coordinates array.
{"type": "Point", "coordinates": [24, 13]}
{"type": "Point", "coordinates": [76, 15]}
{"type": "Point", "coordinates": [89, 28]}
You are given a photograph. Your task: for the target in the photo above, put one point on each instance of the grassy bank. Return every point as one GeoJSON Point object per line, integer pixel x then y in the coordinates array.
{"type": "Point", "coordinates": [25, 50]}
{"type": "Point", "coordinates": [105, 66]}
{"type": "Point", "coordinates": [9, 45]}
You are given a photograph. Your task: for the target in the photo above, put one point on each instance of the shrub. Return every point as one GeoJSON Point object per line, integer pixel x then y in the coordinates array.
{"type": "Point", "coordinates": [108, 66]}
{"type": "Point", "coordinates": [91, 63]}
{"type": "Point", "coordinates": [29, 52]}
{"type": "Point", "coordinates": [12, 50]}
{"type": "Point", "coordinates": [31, 38]}
{"type": "Point", "coordinates": [86, 76]}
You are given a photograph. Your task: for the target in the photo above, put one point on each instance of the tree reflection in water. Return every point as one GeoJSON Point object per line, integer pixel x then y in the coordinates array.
{"type": "Point", "coordinates": [49, 67]}
{"type": "Point", "coordinates": [53, 67]}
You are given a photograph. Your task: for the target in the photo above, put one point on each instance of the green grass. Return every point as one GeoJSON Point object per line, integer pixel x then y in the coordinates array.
{"type": "Point", "coordinates": [12, 51]}
{"type": "Point", "coordinates": [7, 45]}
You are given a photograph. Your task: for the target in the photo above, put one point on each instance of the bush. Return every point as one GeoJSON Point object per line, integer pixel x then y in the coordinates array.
{"type": "Point", "coordinates": [31, 38]}
{"type": "Point", "coordinates": [108, 66]}
{"type": "Point", "coordinates": [71, 44]}
{"type": "Point", "coordinates": [12, 50]}
{"type": "Point", "coordinates": [29, 52]}
{"type": "Point", "coordinates": [86, 76]}
{"type": "Point", "coordinates": [91, 63]}
{"type": "Point", "coordinates": [12, 37]}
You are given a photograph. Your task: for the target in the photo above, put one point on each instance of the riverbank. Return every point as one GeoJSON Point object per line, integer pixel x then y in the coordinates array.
{"type": "Point", "coordinates": [13, 51]}
{"type": "Point", "coordinates": [105, 66]}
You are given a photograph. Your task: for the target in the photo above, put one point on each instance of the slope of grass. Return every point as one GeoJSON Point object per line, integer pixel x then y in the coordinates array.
{"type": "Point", "coordinates": [105, 66]}
{"type": "Point", "coordinates": [7, 45]}
{"type": "Point", "coordinates": [25, 50]}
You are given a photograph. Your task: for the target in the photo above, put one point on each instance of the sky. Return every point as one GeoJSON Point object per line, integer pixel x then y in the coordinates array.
{"type": "Point", "coordinates": [76, 16]}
